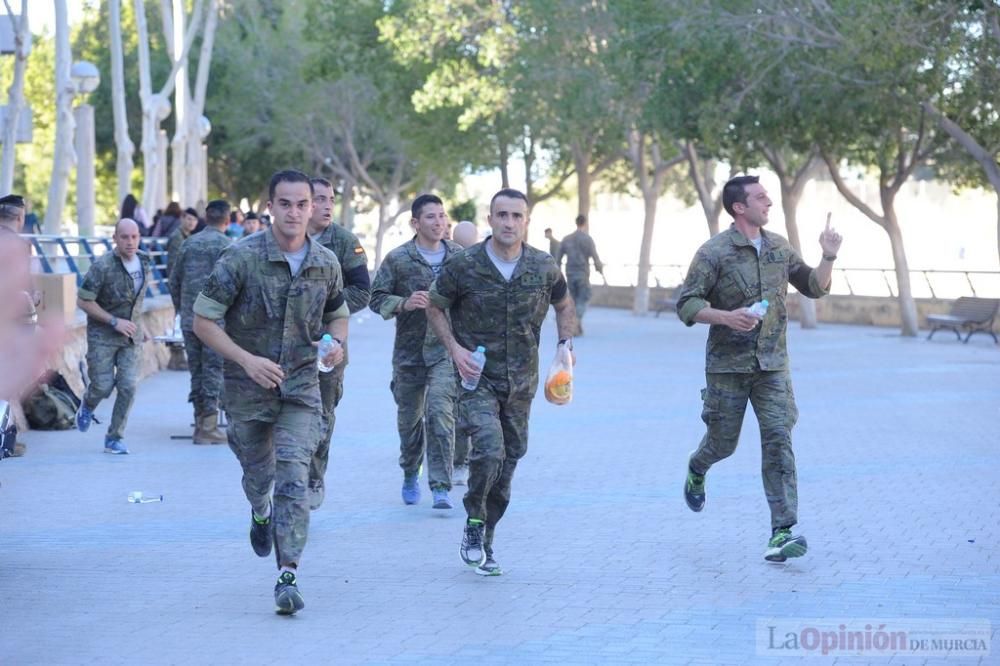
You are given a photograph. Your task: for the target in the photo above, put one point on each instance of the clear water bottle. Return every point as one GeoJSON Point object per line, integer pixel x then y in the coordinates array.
{"type": "Point", "coordinates": [479, 358]}
{"type": "Point", "coordinates": [759, 309]}
{"type": "Point", "coordinates": [326, 345]}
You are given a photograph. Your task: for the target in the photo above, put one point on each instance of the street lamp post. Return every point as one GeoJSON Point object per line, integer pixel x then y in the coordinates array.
{"type": "Point", "coordinates": [86, 78]}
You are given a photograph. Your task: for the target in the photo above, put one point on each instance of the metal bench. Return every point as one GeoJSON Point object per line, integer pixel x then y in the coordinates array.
{"type": "Point", "coordinates": [974, 315]}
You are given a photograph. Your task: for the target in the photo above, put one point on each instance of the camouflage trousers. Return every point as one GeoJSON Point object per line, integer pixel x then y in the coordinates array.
{"type": "Point", "coordinates": [205, 366]}
{"type": "Point", "coordinates": [579, 289]}
{"type": "Point", "coordinates": [497, 421]}
{"type": "Point", "coordinates": [274, 449]}
{"type": "Point", "coordinates": [725, 402]}
{"type": "Point", "coordinates": [113, 367]}
{"type": "Point", "coordinates": [425, 418]}
{"type": "Point", "coordinates": [331, 390]}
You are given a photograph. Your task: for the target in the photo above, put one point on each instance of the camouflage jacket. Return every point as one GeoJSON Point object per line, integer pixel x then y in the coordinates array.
{"type": "Point", "coordinates": [404, 271]}
{"type": "Point", "coordinates": [351, 255]}
{"type": "Point", "coordinates": [727, 274]}
{"type": "Point", "coordinates": [109, 285]}
{"type": "Point", "coordinates": [174, 247]}
{"type": "Point", "coordinates": [271, 314]}
{"type": "Point", "coordinates": [504, 317]}
{"type": "Point", "coordinates": [194, 262]}
{"type": "Point", "coordinates": [578, 248]}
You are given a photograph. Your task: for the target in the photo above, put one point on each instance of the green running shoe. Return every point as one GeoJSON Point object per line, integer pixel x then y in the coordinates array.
{"type": "Point", "coordinates": [783, 546]}
{"type": "Point", "coordinates": [287, 598]}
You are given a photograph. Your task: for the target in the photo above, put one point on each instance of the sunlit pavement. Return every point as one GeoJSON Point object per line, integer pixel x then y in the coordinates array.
{"type": "Point", "coordinates": [899, 483]}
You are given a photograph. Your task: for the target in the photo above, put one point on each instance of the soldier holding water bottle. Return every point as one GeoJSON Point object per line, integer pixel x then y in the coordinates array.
{"type": "Point", "coordinates": [278, 292]}
{"type": "Point", "coordinates": [497, 294]}
{"type": "Point", "coordinates": [737, 283]}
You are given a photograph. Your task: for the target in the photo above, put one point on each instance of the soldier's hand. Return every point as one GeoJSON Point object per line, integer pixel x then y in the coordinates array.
{"type": "Point", "coordinates": [463, 361]}
{"type": "Point", "coordinates": [126, 328]}
{"type": "Point", "coordinates": [742, 320]}
{"type": "Point", "coordinates": [829, 239]}
{"type": "Point", "coordinates": [418, 300]}
{"type": "Point", "coordinates": [264, 371]}
{"type": "Point", "coordinates": [335, 356]}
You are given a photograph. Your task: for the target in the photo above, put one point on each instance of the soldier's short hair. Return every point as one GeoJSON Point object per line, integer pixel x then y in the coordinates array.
{"type": "Point", "coordinates": [581, 220]}
{"type": "Point", "coordinates": [734, 191]}
{"type": "Point", "coordinates": [217, 213]}
{"type": "Point", "coordinates": [318, 180]}
{"type": "Point", "coordinates": [509, 193]}
{"type": "Point", "coordinates": [288, 176]}
{"type": "Point", "coordinates": [417, 207]}
{"type": "Point", "coordinates": [9, 214]}
{"type": "Point", "coordinates": [14, 200]}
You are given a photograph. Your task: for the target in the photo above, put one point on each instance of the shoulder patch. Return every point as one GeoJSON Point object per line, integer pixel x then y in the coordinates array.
{"type": "Point", "coordinates": [359, 250]}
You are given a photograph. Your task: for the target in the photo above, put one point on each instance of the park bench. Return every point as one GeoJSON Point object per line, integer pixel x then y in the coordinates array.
{"type": "Point", "coordinates": [971, 314]}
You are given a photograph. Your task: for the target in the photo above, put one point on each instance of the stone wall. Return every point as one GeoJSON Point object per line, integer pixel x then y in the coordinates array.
{"type": "Point", "coordinates": [157, 318]}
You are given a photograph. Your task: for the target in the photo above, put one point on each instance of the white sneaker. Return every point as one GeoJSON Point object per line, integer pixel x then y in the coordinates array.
{"type": "Point", "coordinates": [460, 475]}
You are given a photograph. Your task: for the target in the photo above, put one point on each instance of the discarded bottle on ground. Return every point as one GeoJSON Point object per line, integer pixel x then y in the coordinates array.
{"type": "Point", "coordinates": [759, 308]}
{"type": "Point", "coordinates": [479, 358]}
{"type": "Point", "coordinates": [326, 345]}
{"type": "Point", "coordinates": [136, 497]}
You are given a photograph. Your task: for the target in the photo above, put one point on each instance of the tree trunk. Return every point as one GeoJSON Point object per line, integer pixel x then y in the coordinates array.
{"type": "Point", "coordinates": [504, 164]}
{"type": "Point", "coordinates": [703, 182]}
{"type": "Point", "coordinates": [347, 205]}
{"type": "Point", "coordinates": [581, 160]}
{"type": "Point", "coordinates": [907, 306]}
{"type": "Point", "coordinates": [197, 173]}
{"type": "Point", "coordinates": [124, 164]}
{"type": "Point", "coordinates": [62, 157]}
{"type": "Point", "coordinates": [790, 197]}
{"type": "Point", "coordinates": [383, 226]}
{"type": "Point", "coordinates": [640, 306]}
{"type": "Point", "coordinates": [15, 100]}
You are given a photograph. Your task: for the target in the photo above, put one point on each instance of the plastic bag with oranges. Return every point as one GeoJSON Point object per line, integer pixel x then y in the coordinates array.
{"type": "Point", "coordinates": [559, 382]}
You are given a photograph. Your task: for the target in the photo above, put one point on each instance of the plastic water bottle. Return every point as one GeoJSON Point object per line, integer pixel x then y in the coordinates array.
{"type": "Point", "coordinates": [136, 497]}
{"type": "Point", "coordinates": [178, 333]}
{"type": "Point", "coordinates": [479, 358]}
{"type": "Point", "coordinates": [759, 308]}
{"type": "Point", "coordinates": [326, 345]}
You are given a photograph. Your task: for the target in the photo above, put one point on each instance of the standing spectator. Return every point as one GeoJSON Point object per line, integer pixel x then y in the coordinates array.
{"type": "Point", "coordinates": [131, 210]}
{"type": "Point", "coordinates": [111, 294]}
{"type": "Point", "coordinates": [251, 223]}
{"type": "Point", "coordinates": [553, 245]}
{"type": "Point", "coordinates": [746, 357]}
{"type": "Point", "coordinates": [168, 221]}
{"type": "Point", "coordinates": [578, 248]}
{"type": "Point", "coordinates": [194, 263]}
{"type": "Point", "coordinates": [235, 229]}
{"type": "Point", "coordinates": [189, 222]}
{"type": "Point", "coordinates": [497, 294]}
{"type": "Point", "coordinates": [423, 377]}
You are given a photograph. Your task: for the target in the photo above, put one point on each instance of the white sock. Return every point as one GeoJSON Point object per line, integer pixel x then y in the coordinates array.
{"type": "Point", "coordinates": [287, 568]}
{"type": "Point", "coordinates": [266, 515]}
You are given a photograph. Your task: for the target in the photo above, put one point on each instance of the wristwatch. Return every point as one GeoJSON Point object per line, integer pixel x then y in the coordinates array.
{"type": "Point", "coordinates": [114, 321]}
{"type": "Point", "coordinates": [830, 257]}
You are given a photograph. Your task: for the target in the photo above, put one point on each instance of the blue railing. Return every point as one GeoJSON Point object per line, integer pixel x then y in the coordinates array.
{"type": "Point", "coordinates": [75, 254]}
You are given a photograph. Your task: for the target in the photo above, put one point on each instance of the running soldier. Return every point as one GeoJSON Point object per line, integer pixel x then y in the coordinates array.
{"type": "Point", "coordinates": [423, 378]}
{"type": "Point", "coordinates": [278, 292]}
{"type": "Point", "coordinates": [497, 294]}
{"type": "Point", "coordinates": [357, 292]}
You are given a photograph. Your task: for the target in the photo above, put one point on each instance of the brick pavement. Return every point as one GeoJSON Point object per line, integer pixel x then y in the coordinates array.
{"type": "Point", "coordinates": [899, 497]}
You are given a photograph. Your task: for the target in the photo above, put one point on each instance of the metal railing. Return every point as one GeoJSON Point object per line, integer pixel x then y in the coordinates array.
{"type": "Point", "coordinates": [75, 254]}
{"type": "Point", "coordinates": [924, 282]}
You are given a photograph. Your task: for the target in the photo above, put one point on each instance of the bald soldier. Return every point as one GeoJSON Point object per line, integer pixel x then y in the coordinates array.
{"type": "Point", "coordinates": [112, 294]}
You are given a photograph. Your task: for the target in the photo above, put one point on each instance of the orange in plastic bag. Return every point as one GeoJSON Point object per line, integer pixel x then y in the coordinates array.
{"type": "Point", "coordinates": [559, 383]}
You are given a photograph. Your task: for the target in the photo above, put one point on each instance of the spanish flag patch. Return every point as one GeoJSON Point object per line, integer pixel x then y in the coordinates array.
{"type": "Point", "coordinates": [359, 250]}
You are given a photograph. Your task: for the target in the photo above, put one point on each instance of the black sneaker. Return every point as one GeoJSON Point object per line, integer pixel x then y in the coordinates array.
{"type": "Point", "coordinates": [472, 550]}
{"type": "Point", "coordinates": [287, 598]}
{"type": "Point", "coordinates": [261, 537]}
{"type": "Point", "coordinates": [784, 545]}
{"type": "Point", "coordinates": [694, 491]}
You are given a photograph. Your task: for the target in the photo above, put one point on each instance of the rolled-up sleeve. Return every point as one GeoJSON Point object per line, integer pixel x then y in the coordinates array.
{"type": "Point", "coordinates": [699, 282]}
{"type": "Point", "coordinates": [383, 302]}
{"type": "Point", "coordinates": [803, 277]}
{"type": "Point", "coordinates": [91, 284]}
{"type": "Point", "coordinates": [221, 290]}
{"type": "Point", "coordinates": [444, 289]}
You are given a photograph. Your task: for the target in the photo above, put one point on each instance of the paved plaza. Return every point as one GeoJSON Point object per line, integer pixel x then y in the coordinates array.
{"type": "Point", "coordinates": [898, 449]}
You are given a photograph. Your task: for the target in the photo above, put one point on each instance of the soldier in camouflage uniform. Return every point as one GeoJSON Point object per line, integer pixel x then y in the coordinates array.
{"type": "Point", "coordinates": [497, 294]}
{"type": "Point", "coordinates": [278, 292]}
{"type": "Point", "coordinates": [194, 261]}
{"type": "Point", "coordinates": [189, 222]}
{"type": "Point", "coordinates": [423, 377]}
{"type": "Point", "coordinates": [357, 291]}
{"type": "Point", "coordinates": [578, 249]}
{"type": "Point", "coordinates": [746, 354]}
{"type": "Point", "coordinates": [112, 294]}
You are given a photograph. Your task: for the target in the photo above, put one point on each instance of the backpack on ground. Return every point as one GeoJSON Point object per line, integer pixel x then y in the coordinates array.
{"type": "Point", "coordinates": [52, 406]}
